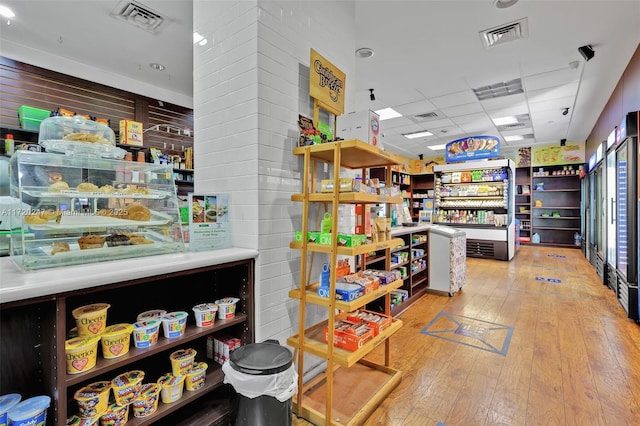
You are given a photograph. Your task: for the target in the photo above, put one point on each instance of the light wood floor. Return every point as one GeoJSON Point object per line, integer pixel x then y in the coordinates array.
{"type": "Point", "coordinates": [573, 357]}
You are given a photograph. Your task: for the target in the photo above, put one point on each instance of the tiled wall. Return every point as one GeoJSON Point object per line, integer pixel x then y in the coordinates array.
{"type": "Point", "coordinates": [250, 84]}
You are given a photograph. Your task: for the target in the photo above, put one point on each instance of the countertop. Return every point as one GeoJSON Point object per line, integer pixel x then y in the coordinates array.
{"type": "Point", "coordinates": [16, 284]}
{"type": "Point", "coordinates": [401, 230]}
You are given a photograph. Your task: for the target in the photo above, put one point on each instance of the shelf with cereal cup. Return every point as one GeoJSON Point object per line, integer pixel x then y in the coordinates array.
{"type": "Point", "coordinates": [312, 296]}
{"type": "Point", "coordinates": [135, 354]}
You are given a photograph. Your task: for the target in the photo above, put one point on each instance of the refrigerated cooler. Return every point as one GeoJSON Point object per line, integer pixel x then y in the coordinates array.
{"type": "Point", "coordinates": [596, 229]}
{"type": "Point", "coordinates": [478, 198]}
{"type": "Point", "coordinates": [447, 259]}
{"type": "Point", "coordinates": [622, 214]}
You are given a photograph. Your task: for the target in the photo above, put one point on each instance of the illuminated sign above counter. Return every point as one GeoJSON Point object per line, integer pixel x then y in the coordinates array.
{"type": "Point", "coordinates": [472, 148]}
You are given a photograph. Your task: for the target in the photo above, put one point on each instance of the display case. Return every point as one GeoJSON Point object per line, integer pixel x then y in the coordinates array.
{"type": "Point", "coordinates": [86, 209]}
{"type": "Point", "coordinates": [478, 198]}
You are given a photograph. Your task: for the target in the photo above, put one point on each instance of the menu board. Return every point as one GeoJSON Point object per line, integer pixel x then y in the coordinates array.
{"type": "Point", "coordinates": [549, 155]}
{"type": "Point", "coordinates": [209, 227]}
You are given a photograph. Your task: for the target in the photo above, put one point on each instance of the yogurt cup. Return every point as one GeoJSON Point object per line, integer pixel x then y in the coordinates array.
{"type": "Point", "coordinates": [81, 353]}
{"type": "Point", "coordinates": [182, 361]}
{"type": "Point", "coordinates": [172, 387]}
{"type": "Point", "coordinates": [174, 324]}
{"type": "Point", "coordinates": [76, 420]}
{"type": "Point", "coordinates": [116, 415]}
{"type": "Point", "coordinates": [152, 314]}
{"type": "Point", "coordinates": [145, 333]}
{"type": "Point", "coordinates": [7, 402]}
{"type": "Point", "coordinates": [195, 377]}
{"type": "Point", "coordinates": [126, 386]}
{"type": "Point", "coordinates": [205, 314]}
{"type": "Point", "coordinates": [91, 320]}
{"type": "Point", "coordinates": [227, 307]}
{"type": "Point", "coordinates": [116, 340]}
{"type": "Point", "coordinates": [30, 412]}
{"type": "Point", "coordinates": [93, 399]}
{"type": "Point", "coordinates": [147, 401]}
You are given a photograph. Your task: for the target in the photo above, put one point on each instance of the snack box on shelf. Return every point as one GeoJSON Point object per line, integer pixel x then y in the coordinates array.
{"type": "Point", "coordinates": [385, 277]}
{"type": "Point", "coordinates": [346, 185]}
{"type": "Point", "coordinates": [375, 320]}
{"type": "Point", "coordinates": [369, 283]}
{"type": "Point", "coordinates": [131, 133]}
{"type": "Point", "coordinates": [344, 291]}
{"type": "Point", "coordinates": [349, 335]}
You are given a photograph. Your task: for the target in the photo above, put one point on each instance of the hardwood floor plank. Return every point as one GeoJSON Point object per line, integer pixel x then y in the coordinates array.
{"type": "Point", "coordinates": [573, 357]}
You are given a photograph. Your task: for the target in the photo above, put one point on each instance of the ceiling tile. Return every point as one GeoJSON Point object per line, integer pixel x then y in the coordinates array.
{"type": "Point", "coordinates": [419, 107]}
{"type": "Point", "coordinates": [551, 79]}
{"type": "Point", "coordinates": [463, 109]}
{"type": "Point", "coordinates": [555, 92]}
{"type": "Point", "coordinates": [454, 99]}
{"type": "Point", "coordinates": [503, 102]}
{"type": "Point", "coordinates": [553, 104]}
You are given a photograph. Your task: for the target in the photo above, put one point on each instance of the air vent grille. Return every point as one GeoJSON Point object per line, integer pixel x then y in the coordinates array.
{"type": "Point", "coordinates": [427, 115]}
{"type": "Point", "coordinates": [498, 90]}
{"type": "Point", "coordinates": [139, 15]}
{"type": "Point", "coordinates": [505, 33]}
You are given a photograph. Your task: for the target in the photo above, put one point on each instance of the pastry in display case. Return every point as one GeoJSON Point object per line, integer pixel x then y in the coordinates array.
{"type": "Point", "coordinates": [85, 209]}
{"type": "Point", "coordinates": [78, 136]}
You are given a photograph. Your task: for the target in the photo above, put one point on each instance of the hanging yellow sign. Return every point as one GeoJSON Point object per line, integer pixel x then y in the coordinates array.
{"type": "Point", "coordinates": [326, 84]}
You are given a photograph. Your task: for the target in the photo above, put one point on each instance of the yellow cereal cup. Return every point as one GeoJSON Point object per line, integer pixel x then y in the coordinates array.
{"type": "Point", "coordinates": [82, 353]}
{"type": "Point", "coordinates": [116, 415]}
{"type": "Point", "coordinates": [182, 361]}
{"type": "Point", "coordinates": [147, 401]}
{"type": "Point", "coordinates": [93, 399]}
{"type": "Point", "coordinates": [171, 387]}
{"type": "Point", "coordinates": [91, 319]}
{"type": "Point", "coordinates": [195, 377]}
{"type": "Point", "coordinates": [76, 420]}
{"type": "Point", "coordinates": [126, 386]}
{"type": "Point", "coordinates": [116, 340]}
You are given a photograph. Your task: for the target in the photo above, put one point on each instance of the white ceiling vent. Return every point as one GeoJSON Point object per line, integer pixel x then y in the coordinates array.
{"type": "Point", "coordinates": [427, 116]}
{"type": "Point", "coordinates": [505, 33]}
{"type": "Point", "coordinates": [139, 15]}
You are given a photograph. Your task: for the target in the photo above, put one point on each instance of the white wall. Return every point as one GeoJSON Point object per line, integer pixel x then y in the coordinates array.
{"type": "Point", "coordinates": [250, 84]}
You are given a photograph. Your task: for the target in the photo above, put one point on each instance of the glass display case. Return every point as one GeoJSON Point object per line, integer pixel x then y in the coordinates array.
{"type": "Point", "coordinates": [85, 209]}
{"type": "Point", "coordinates": [478, 198]}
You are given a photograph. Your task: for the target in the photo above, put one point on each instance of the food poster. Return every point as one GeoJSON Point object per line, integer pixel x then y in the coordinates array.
{"type": "Point", "coordinates": [550, 155]}
{"type": "Point", "coordinates": [520, 156]}
{"type": "Point", "coordinates": [472, 148]}
{"type": "Point", "coordinates": [209, 227]}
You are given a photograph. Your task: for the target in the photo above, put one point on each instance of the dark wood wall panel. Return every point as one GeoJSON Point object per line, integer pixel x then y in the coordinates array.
{"type": "Point", "coordinates": [24, 84]}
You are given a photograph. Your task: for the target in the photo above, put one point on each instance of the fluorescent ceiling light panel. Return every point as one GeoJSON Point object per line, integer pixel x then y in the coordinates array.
{"type": "Point", "coordinates": [502, 121]}
{"type": "Point", "coordinates": [417, 135]}
{"type": "Point", "coordinates": [387, 113]}
{"type": "Point", "coordinates": [199, 39]}
{"type": "Point", "coordinates": [513, 138]}
{"type": "Point", "coordinates": [437, 147]}
{"type": "Point", "coordinates": [6, 12]}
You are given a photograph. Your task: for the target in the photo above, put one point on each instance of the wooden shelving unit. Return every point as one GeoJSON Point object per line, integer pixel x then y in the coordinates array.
{"type": "Point", "coordinates": [558, 218]}
{"type": "Point", "coordinates": [331, 397]}
{"type": "Point", "coordinates": [523, 202]}
{"type": "Point", "coordinates": [420, 187]}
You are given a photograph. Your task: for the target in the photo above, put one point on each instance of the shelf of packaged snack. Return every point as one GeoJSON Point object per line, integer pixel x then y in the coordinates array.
{"type": "Point", "coordinates": [472, 197]}
{"type": "Point", "coordinates": [419, 281]}
{"type": "Point", "coordinates": [397, 265]}
{"type": "Point", "coordinates": [557, 190]}
{"type": "Point", "coordinates": [312, 296]}
{"type": "Point", "coordinates": [314, 343]}
{"type": "Point", "coordinates": [349, 198]}
{"type": "Point", "coordinates": [354, 154]}
{"type": "Point", "coordinates": [349, 251]}
{"type": "Point", "coordinates": [213, 379]}
{"type": "Point", "coordinates": [104, 365]}
{"type": "Point", "coordinates": [355, 399]}
{"type": "Point", "coordinates": [399, 248]}
{"type": "Point", "coordinates": [374, 259]}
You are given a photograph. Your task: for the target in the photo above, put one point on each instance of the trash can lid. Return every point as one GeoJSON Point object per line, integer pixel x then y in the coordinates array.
{"type": "Point", "coordinates": [261, 358]}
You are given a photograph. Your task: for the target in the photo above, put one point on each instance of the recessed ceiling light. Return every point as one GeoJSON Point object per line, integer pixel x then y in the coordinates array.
{"type": "Point", "coordinates": [387, 113]}
{"type": "Point", "coordinates": [417, 134]}
{"type": "Point", "coordinates": [437, 147]}
{"type": "Point", "coordinates": [6, 12]}
{"type": "Point", "coordinates": [364, 52]}
{"type": "Point", "coordinates": [503, 4]}
{"type": "Point", "coordinates": [513, 138]}
{"type": "Point", "coordinates": [502, 121]}
{"type": "Point", "coordinates": [157, 67]}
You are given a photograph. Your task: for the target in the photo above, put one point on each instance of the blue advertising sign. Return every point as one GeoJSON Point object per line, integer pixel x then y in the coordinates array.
{"type": "Point", "coordinates": [472, 148]}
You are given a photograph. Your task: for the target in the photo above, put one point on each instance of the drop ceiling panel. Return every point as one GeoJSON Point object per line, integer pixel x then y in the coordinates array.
{"type": "Point", "coordinates": [551, 79]}
{"type": "Point", "coordinates": [413, 108]}
{"type": "Point", "coordinates": [463, 109]}
{"type": "Point", "coordinates": [503, 102]}
{"type": "Point", "coordinates": [454, 99]}
{"type": "Point", "coordinates": [553, 104]}
{"type": "Point", "coordinates": [551, 93]}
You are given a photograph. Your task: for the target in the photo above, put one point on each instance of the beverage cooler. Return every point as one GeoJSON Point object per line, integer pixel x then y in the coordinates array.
{"type": "Point", "coordinates": [622, 214]}
{"type": "Point", "coordinates": [478, 198]}
{"type": "Point", "coordinates": [595, 226]}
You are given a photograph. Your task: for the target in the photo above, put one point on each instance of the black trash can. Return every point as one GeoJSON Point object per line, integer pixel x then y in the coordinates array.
{"type": "Point", "coordinates": [258, 360]}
